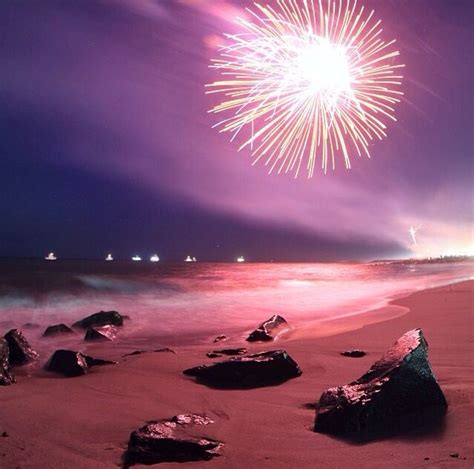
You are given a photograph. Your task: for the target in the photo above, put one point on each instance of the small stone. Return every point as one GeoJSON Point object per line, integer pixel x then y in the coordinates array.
{"type": "Point", "coordinates": [6, 376]}
{"type": "Point", "coordinates": [4, 434]}
{"type": "Point", "coordinates": [269, 329]}
{"type": "Point", "coordinates": [71, 363]}
{"type": "Point", "coordinates": [354, 353]}
{"type": "Point", "coordinates": [220, 338]}
{"type": "Point", "coordinates": [57, 329]}
{"type": "Point", "coordinates": [102, 318]}
{"type": "Point", "coordinates": [104, 333]}
{"type": "Point", "coordinates": [454, 455]}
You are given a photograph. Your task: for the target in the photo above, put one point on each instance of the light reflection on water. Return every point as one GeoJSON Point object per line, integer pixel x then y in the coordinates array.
{"type": "Point", "coordinates": [203, 299]}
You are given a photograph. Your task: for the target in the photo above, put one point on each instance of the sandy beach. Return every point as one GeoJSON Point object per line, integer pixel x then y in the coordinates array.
{"type": "Point", "coordinates": [85, 422]}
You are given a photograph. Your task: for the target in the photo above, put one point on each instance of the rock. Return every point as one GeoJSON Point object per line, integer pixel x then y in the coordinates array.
{"type": "Point", "coordinates": [70, 363]}
{"type": "Point", "coordinates": [30, 325]}
{"type": "Point", "coordinates": [139, 352]}
{"type": "Point", "coordinates": [5, 435]}
{"type": "Point", "coordinates": [269, 329]}
{"type": "Point", "coordinates": [220, 338]}
{"type": "Point", "coordinates": [397, 393]}
{"type": "Point", "coordinates": [177, 439]}
{"type": "Point", "coordinates": [226, 351]}
{"type": "Point", "coordinates": [251, 371]}
{"type": "Point", "coordinates": [103, 318]}
{"type": "Point", "coordinates": [454, 455]}
{"type": "Point", "coordinates": [354, 353]}
{"type": "Point", "coordinates": [103, 333]}
{"type": "Point", "coordinates": [57, 329]}
{"type": "Point", "coordinates": [6, 376]}
{"type": "Point", "coordinates": [21, 352]}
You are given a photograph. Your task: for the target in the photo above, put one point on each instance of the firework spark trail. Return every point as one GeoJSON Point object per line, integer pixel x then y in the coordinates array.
{"type": "Point", "coordinates": [307, 79]}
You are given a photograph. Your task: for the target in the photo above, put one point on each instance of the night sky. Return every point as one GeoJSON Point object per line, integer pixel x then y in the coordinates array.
{"type": "Point", "coordinates": [106, 144]}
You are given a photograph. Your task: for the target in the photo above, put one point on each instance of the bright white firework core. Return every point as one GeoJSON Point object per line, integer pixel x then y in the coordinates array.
{"type": "Point", "coordinates": [325, 70]}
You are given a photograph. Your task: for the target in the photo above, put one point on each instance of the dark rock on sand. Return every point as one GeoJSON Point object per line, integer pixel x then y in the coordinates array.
{"type": "Point", "coordinates": [399, 392]}
{"type": "Point", "coordinates": [221, 338]}
{"type": "Point", "coordinates": [103, 318]}
{"type": "Point", "coordinates": [57, 329]}
{"type": "Point", "coordinates": [103, 333]}
{"type": "Point", "coordinates": [252, 371]}
{"type": "Point", "coordinates": [71, 363]}
{"type": "Point", "coordinates": [354, 353]}
{"type": "Point", "coordinates": [21, 352]}
{"type": "Point", "coordinates": [269, 329]}
{"type": "Point", "coordinates": [30, 325]}
{"type": "Point", "coordinates": [139, 352]}
{"type": "Point", "coordinates": [177, 439]}
{"type": "Point", "coordinates": [227, 351]}
{"type": "Point", "coordinates": [6, 376]}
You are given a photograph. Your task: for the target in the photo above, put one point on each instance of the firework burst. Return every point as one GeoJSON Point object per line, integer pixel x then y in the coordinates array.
{"type": "Point", "coordinates": [307, 82]}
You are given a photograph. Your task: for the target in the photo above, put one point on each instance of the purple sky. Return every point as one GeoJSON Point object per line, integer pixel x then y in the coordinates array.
{"type": "Point", "coordinates": [106, 141]}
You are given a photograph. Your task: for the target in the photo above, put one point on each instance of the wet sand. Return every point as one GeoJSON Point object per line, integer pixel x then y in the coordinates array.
{"type": "Point", "coordinates": [85, 422]}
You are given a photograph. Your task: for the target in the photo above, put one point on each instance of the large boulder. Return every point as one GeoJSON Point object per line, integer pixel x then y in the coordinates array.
{"type": "Point", "coordinates": [251, 371]}
{"type": "Point", "coordinates": [399, 392]}
{"type": "Point", "coordinates": [57, 329]}
{"type": "Point", "coordinates": [177, 439]}
{"type": "Point", "coordinates": [102, 318]}
{"type": "Point", "coordinates": [104, 333]}
{"type": "Point", "coordinates": [21, 352]}
{"type": "Point", "coordinates": [6, 376]}
{"type": "Point", "coordinates": [269, 329]}
{"type": "Point", "coordinates": [71, 363]}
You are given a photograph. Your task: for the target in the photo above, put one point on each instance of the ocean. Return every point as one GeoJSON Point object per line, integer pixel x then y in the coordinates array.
{"type": "Point", "coordinates": [189, 302]}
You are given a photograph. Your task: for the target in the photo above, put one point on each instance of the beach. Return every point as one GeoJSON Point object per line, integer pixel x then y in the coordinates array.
{"type": "Point", "coordinates": [85, 422]}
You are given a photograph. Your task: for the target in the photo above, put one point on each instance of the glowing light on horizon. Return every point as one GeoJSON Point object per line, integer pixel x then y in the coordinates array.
{"type": "Point", "coordinates": [413, 231]}
{"type": "Point", "coordinates": [307, 81]}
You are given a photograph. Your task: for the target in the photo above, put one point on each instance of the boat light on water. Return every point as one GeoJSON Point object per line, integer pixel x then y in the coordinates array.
{"type": "Point", "coordinates": [155, 258]}
{"type": "Point", "coordinates": [190, 259]}
{"type": "Point", "coordinates": [109, 258]}
{"type": "Point", "coordinates": [241, 259]}
{"type": "Point", "coordinates": [51, 257]}
{"type": "Point", "coordinates": [136, 258]}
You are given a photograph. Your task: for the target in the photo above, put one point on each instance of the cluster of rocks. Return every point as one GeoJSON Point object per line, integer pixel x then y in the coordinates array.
{"type": "Point", "coordinates": [16, 351]}
{"type": "Point", "coordinates": [398, 392]}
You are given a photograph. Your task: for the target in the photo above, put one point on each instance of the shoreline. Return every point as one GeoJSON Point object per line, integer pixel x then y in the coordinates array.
{"type": "Point", "coordinates": [85, 422]}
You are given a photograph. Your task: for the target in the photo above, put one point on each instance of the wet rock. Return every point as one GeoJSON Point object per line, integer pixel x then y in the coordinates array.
{"type": "Point", "coordinates": [30, 325]}
{"type": "Point", "coordinates": [354, 353]}
{"type": "Point", "coordinates": [226, 351]}
{"type": "Point", "coordinates": [139, 352]}
{"type": "Point", "coordinates": [399, 392]}
{"type": "Point", "coordinates": [21, 352]}
{"type": "Point", "coordinates": [220, 338]}
{"type": "Point", "coordinates": [103, 318]}
{"type": "Point", "coordinates": [269, 329]}
{"type": "Point", "coordinates": [57, 329]}
{"type": "Point", "coordinates": [251, 371]}
{"type": "Point", "coordinates": [6, 376]}
{"type": "Point", "coordinates": [177, 439]}
{"type": "Point", "coordinates": [71, 363]}
{"type": "Point", "coordinates": [103, 333]}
